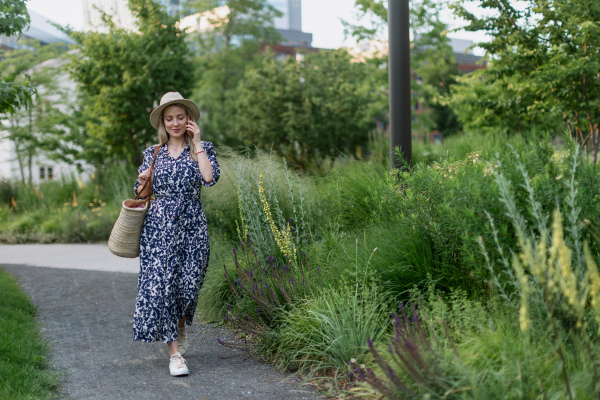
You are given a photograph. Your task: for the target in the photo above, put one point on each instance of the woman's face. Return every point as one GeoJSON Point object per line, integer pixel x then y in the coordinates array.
{"type": "Point", "coordinates": [175, 120]}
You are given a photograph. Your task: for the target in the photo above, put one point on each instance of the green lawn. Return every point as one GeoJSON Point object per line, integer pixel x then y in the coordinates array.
{"type": "Point", "coordinates": [24, 369]}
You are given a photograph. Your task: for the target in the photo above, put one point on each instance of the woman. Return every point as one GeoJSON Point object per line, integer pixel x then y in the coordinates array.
{"type": "Point", "coordinates": [174, 246]}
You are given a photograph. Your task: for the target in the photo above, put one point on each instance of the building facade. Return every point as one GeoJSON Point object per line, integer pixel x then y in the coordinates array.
{"type": "Point", "coordinates": [42, 168]}
{"type": "Point", "coordinates": [119, 12]}
{"type": "Point", "coordinates": [41, 29]}
{"type": "Point", "coordinates": [294, 42]}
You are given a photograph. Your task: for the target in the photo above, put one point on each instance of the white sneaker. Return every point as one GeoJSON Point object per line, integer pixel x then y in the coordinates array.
{"type": "Point", "coordinates": [181, 340]}
{"type": "Point", "coordinates": [177, 365]}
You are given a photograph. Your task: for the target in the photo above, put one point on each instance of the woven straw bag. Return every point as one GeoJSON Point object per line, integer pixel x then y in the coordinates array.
{"type": "Point", "coordinates": [124, 240]}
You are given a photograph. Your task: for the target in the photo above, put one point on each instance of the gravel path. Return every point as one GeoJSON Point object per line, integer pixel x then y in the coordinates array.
{"type": "Point", "coordinates": [87, 317]}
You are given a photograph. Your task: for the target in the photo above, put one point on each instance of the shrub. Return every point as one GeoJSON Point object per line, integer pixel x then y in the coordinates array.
{"type": "Point", "coordinates": [263, 290]}
{"type": "Point", "coordinates": [546, 330]}
{"type": "Point", "coordinates": [430, 220]}
{"type": "Point", "coordinates": [274, 215]}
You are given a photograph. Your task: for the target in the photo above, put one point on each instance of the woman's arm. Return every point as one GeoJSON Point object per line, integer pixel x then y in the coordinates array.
{"type": "Point", "coordinates": [206, 168]}
{"type": "Point", "coordinates": [144, 173]}
{"type": "Point", "coordinates": [206, 155]}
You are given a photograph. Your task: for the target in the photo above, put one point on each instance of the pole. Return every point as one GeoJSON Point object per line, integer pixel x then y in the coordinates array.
{"type": "Point", "coordinates": [399, 81]}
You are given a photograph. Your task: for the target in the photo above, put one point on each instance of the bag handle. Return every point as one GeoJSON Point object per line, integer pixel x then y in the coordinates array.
{"type": "Point", "coordinates": [149, 182]}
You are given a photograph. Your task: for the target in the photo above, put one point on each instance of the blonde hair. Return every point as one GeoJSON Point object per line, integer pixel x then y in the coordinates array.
{"type": "Point", "coordinates": [163, 135]}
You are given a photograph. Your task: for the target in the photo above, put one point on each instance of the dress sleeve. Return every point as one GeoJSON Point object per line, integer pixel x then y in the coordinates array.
{"type": "Point", "coordinates": [148, 154]}
{"type": "Point", "coordinates": [209, 148]}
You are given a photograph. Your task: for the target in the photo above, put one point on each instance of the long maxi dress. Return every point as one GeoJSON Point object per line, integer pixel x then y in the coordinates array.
{"type": "Point", "coordinates": [174, 245]}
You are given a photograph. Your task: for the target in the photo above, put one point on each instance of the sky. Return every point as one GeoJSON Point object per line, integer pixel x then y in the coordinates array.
{"type": "Point", "coordinates": [322, 18]}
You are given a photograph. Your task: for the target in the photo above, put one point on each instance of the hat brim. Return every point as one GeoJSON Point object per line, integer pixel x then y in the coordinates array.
{"type": "Point", "coordinates": [190, 105]}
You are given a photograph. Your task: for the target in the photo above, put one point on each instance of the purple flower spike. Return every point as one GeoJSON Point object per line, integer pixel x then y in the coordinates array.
{"type": "Point", "coordinates": [256, 309]}
{"type": "Point", "coordinates": [415, 318]}
{"type": "Point", "coordinates": [369, 342]}
{"type": "Point", "coordinates": [391, 373]}
{"type": "Point", "coordinates": [225, 267]}
{"type": "Point", "coordinates": [251, 274]}
{"type": "Point", "coordinates": [238, 282]}
{"type": "Point", "coordinates": [401, 306]}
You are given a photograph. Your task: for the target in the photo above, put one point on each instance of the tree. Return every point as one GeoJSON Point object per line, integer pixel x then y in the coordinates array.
{"type": "Point", "coordinates": [484, 102]}
{"type": "Point", "coordinates": [28, 127]}
{"type": "Point", "coordinates": [236, 37]}
{"type": "Point", "coordinates": [14, 94]}
{"type": "Point", "coordinates": [307, 110]}
{"type": "Point", "coordinates": [433, 62]}
{"type": "Point", "coordinates": [121, 76]}
{"type": "Point", "coordinates": [549, 52]}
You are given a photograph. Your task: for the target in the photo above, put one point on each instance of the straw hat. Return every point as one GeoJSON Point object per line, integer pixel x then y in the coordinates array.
{"type": "Point", "coordinates": [169, 99]}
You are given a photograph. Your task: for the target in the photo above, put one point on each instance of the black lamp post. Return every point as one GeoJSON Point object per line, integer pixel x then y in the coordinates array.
{"type": "Point", "coordinates": [399, 81]}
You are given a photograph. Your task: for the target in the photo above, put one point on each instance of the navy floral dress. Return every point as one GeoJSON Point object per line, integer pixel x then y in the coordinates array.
{"type": "Point", "coordinates": [174, 246]}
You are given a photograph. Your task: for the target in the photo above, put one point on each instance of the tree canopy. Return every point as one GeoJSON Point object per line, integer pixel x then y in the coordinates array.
{"type": "Point", "coordinates": [33, 129]}
{"type": "Point", "coordinates": [307, 110]}
{"type": "Point", "coordinates": [224, 53]}
{"type": "Point", "coordinates": [14, 93]}
{"type": "Point", "coordinates": [121, 77]}
{"type": "Point", "coordinates": [544, 59]}
{"type": "Point", "coordinates": [433, 62]}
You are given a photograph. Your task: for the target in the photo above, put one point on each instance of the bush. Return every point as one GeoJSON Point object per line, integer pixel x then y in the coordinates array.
{"type": "Point", "coordinates": [548, 344]}
{"type": "Point", "coordinates": [66, 210]}
{"type": "Point", "coordinates": [430, 221]}
{"type": "Point", "coordinates": [545, 330]}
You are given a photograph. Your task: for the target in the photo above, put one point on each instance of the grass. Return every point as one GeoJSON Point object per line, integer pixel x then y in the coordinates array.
{"type": "Point", "coordinates": [24, 367]}
{"type": "Point", "coordinates": [447, 231]}
{"type": "Point", "coordinates": [324, 333]}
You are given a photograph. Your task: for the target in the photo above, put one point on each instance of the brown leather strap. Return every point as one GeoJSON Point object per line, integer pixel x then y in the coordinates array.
{"type": "Point", "coordinates": [149, 182]}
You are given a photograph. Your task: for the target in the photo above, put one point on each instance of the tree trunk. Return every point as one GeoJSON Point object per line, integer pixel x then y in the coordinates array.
{"type": "Point", "coordinates": [572, 133]}
{"type": "Point", "coordinates": [597, 139]}
{"type": "Point", "coordinates": [30, 150]}
{"type": "Point", "coordinates": [20, 160]}
{"type": "Point", "coordinates": [29, 165]}
{"type": "Point", "coordinates": [593, 131]}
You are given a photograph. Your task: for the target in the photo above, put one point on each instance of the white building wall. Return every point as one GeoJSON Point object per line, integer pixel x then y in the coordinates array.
{"type": "Point", "coordinates": [9, 165]}
{"type": "Point", "coordinates": [118, 9]}
{"type": "Point", "coordinates": [121, 15]}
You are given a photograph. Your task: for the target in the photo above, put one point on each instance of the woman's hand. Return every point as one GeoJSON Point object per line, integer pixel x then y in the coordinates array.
{"type": "Point", "coordinates": [194, 131]}
{"type": "Point", "coordinates": [144, 176]}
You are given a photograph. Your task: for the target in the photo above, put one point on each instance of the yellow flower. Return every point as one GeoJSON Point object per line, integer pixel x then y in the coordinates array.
{"type": "Point", "coordinates": [283, 238]}
{"type": "Point", "coordinates": [593, 281]}
{"type": "Point", "coordinates": [524, 320]}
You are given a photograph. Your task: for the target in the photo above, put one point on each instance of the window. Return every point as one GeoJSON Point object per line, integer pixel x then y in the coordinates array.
{"type": "Point", "coordinates": [46, 173]}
